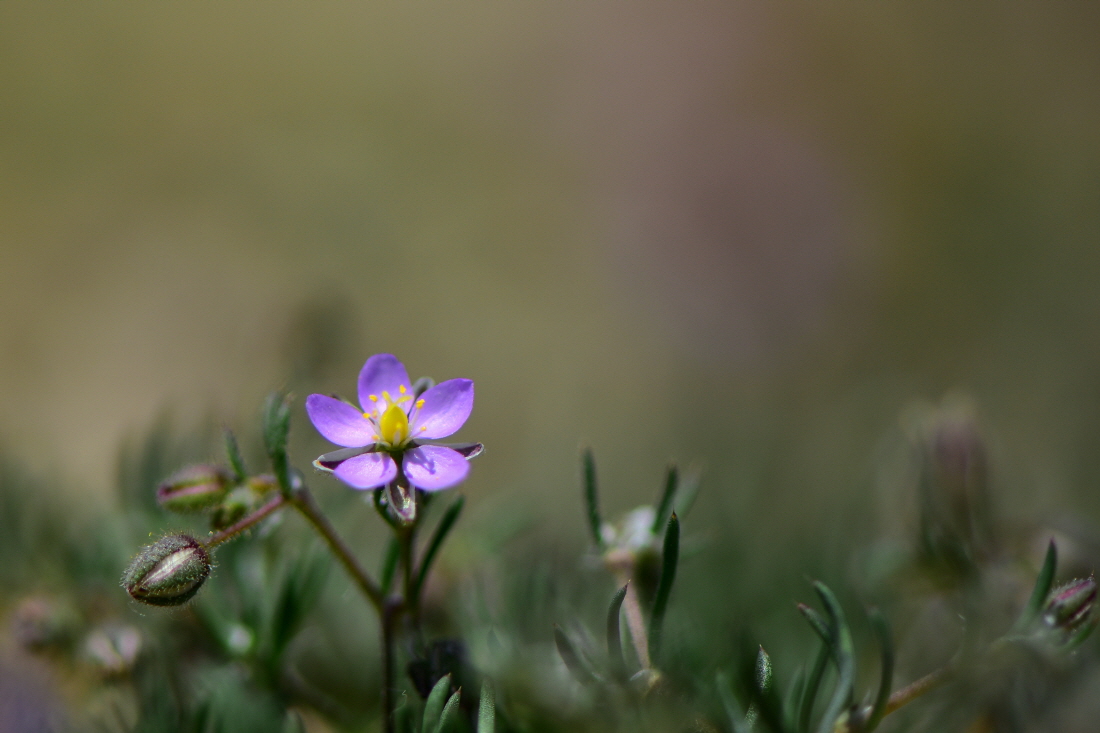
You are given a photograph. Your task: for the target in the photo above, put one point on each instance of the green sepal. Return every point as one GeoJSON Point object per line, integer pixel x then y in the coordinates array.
{"type": "Point", "coordinates": [421, 386]}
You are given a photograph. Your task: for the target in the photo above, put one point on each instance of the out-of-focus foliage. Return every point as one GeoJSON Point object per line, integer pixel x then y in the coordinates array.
{"type": "Point", "coordinates": [274, 641]}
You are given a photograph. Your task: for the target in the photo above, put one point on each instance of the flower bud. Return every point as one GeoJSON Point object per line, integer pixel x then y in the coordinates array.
{"type": "Point", "coordinates": [193, 489]}
{"type": "Point", "coordinates": [632, 550]}
{"type": "Point", "coordinates": [952, 485]}
{"type": "Point", "coordinates": [1069, 607]}
{"type": "Point", "coordinates": [168, 572]}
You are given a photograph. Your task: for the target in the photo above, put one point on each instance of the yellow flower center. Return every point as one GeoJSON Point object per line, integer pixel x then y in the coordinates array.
{"type": "Point", "coordinates": [393, 427]}
{"type": "Point", "coordinates": [390, 419]}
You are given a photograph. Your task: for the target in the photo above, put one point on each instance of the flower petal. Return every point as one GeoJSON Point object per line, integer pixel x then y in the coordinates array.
{"type": "Point", "coordinates": [446, 407]}
{"type": "Point", "coordinates": [433, 467]}
{"type": "Point", "coordinates": [381, 373]}
{"type": "Point", "coordinates": [339, 422]}
{"type": "Point", "coordinates": [367, 471]}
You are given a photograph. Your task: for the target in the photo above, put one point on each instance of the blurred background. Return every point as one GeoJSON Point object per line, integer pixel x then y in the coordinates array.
{"type": "Point", "coordinates": [744, 237]}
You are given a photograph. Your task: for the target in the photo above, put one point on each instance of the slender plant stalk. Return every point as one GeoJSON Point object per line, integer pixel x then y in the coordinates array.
{"type": "Point", "coordinates": [304, 502]}
{"type": "Point", "coordinates": [913, 690]}
{"type": "Point", "coordinates": [407, 540]}
{"type": "Point", "coordinates": [246, 523]}
{"type": "Point", "coordinates": [391, 610]}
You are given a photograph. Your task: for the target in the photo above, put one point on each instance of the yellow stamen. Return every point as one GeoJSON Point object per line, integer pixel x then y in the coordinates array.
{"type": "Point", "coordinates": [373, 397]}
{"type": "Point", "coordinates": [402, 388]}
{"type": "Point", "coordinates": [419, 404]}
{"type": "Point", "coordinates": [393, 428]}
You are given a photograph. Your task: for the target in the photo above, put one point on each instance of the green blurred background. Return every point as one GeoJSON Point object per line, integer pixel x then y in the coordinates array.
{"type": "Point", "coordinates": [743, 236]}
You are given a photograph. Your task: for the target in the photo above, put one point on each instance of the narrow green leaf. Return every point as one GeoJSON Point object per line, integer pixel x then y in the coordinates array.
{"type": "Point", "coordinates": [487, 709]}
{"type": "Point", "coordinates": [614, 636]}
{"type": "Point", "coordinates": [1080, 635]}
{"type": "Point", "coordinates": [591, 496]}
{"type": "Point", "coordinates": [441, 530]}
{"type": "Point", "coordinates": [813, 682]}
{"type": "Point", "coordinates": [794, 697]}
{"type": "Point", "coordinates": [664, 506]}
{"type": "Point", "coordinates": [570, 656]}
{"type": "Point", "coordinates": [687, 491]}
{"type": "Point", "coordinates": [886, 675]}
{"type": "Point", "coordinates": [845, 659]}
{"type": "Point", "coordinates": [389, 564]}
{"type": "Point", "coordinates": [433, 707]}
{"type": "Point", "coordinates": [1039, 593]}
{"type": "Point", "coordinates": [669, 558]}
{"type": "Point", "coordinates": [450, 712]}
{"type": "Point", "coordinates": [233, 454]}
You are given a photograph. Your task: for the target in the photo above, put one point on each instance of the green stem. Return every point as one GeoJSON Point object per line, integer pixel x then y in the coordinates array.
{"type": "Point", "coordinates": [246, 523]}
{"type": "Point", "coordinates": [913, 690]}
{"type": "Point", "coordinates": [407, 540]}
{"type": "Point", "coordinates": [304, 502]}
{"type": "Point", "coordinates": [391, 611]}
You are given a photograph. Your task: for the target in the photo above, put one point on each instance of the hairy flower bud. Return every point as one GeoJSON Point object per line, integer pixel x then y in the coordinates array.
{"type": "Point", "coordinates": [193, 489]}
{"type": "Point", "coordinates": [1069, 607]}
{"type": "Point", "coordinates": [168, 572]}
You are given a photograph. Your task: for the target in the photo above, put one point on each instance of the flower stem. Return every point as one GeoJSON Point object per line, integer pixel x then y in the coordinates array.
{"type": "Point", "coordinates": [304, 502]}
{"type": "Point", "coordinates": [390, 612]}
{"type": "Point", "coordinates": [407, 540]}
{"type": "Point", "coordinates": [913, 690]}
{"type": "Point", "coordinates": [246, 523]}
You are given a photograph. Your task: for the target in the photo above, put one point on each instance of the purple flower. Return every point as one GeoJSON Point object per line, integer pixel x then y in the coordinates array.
{"type": "Point", "coordinates": [390, 428]}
